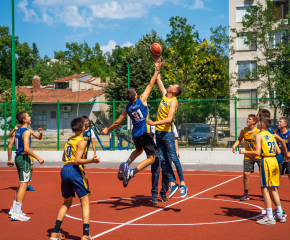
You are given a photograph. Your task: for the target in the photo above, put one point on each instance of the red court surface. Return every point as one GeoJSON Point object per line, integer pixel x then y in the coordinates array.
{"type": "Point", "coordinates": [211, 210]}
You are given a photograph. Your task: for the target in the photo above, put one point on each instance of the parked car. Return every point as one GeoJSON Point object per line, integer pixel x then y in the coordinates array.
{"type": "Point", "coordinates": [221, 133]}
{"type": "Point", "coordinates": [190, 129]}
{"type": "Point", "coordinates": [201, 135]}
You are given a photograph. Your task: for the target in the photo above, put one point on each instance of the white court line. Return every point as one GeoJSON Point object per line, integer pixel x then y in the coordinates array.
{"type": "Point", "coordinates": [146, 215]}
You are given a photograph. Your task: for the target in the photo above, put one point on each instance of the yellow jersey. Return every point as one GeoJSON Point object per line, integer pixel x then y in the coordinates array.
{"type": "Point", "coordinates": [162, 113]}
{"type": "Point", "coordinates": [269, 144]}
{"type": "Point", "coordinates": [250, 142]}
{"type": "Point", "coordinates": [70, 149]}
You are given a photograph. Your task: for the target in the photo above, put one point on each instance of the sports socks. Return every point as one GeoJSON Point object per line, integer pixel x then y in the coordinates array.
{"type": "Point", "coordinates": [128, 162]}
{"type": "Point", "coordinates": [18, 206]}
{"type": "Point", "coordinates": [57, 226]}
{"type": "Point", "coordinates": [269, 212]}
{"type": "Point", "coordinates": [14, 205]}
{"type": "Point", "coordinates": [247, 192]}
{"type": "Point", "coordinates": [279, 211]}
{"type": "Point", "coordinates": [86, 229]}
{"type": "Point", "coordinates": [135, 171]}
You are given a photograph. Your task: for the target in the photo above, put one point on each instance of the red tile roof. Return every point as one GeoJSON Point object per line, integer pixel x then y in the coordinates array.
{"type": "Point", "coordinates": [62, 95]}
{"type": "Point", "coordinates": [65, 79]}
{"type": "Point", "coordinates": [96, 84]}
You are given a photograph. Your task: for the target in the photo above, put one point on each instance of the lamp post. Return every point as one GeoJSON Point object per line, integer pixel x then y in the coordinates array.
{"type": "Point", "coordinates": [128, 66]}
{"type": "Point", "coordinates": [13, 102]}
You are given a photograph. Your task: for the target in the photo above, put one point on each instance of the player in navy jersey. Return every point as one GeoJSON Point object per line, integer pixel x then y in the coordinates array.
{"type": "Point", "coordinates": [137, 109]}
{"type": "Point", "coordinates": [89, 136]}
{"type": "Point", "coordinates": [284, 133]}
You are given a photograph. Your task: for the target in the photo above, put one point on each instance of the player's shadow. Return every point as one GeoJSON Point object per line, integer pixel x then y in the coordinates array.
{"type": "Point", "coordinates": [239, 212]}
{"type": "Point", "coordinates": [8, 188]}
{"type": "Point", "coordinates": [237, 197]}
{"type": "Point", "coordinates": [134, 202]}
{"type": "Point", "coordinates": [66, 234]}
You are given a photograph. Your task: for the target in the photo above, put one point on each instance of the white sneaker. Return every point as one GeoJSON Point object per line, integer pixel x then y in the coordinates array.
{"type": "Point", "coordinates": [281, 219]}
{"type": "Point", "coordinates": [11, 212]}
{"type": "Point", "coordinates": [267, 221]}
{"type": "Point", "coordinates": [19, 217]}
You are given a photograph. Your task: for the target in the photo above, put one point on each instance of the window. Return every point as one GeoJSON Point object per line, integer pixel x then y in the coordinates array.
{"type": "Point", "coordinates": [39, 119]}
{"type": "Point", "coordinates": [276, 38]}
{"type": "Point", "coordinates": [247, 69]}
{"type": "Point", "coordinates": [283, 8]}
{"type": "Point", "coordinates": [53, 114]}
{"type": "Point", "coordinates": [242, 11]}
{"type": "Point", "coordinates": [242, 45]}
{"type": "Point", "coordinates": [249, 98]}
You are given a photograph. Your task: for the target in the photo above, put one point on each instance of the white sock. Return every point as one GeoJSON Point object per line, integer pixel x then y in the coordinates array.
{"type": "Point", "coordinates": [14, 205]}
{"type": "Point", "coordinates": [269, 212]}
{"type": "Point", "coordinates": [279, 211]}
{"type": "Point", "coordinates": [18, 207]}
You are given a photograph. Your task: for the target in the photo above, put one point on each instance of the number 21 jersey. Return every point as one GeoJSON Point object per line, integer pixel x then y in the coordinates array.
{"type": "Point", "coordinates": [139, 115]}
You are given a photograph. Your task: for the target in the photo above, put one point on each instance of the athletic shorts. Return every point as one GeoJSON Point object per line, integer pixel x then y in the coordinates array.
{"type": "Point", "coordinates": [31, 160]}
{"type": "Point", "coordinates": [23, 167]}
{"type": "Point", "coordinates": [145, 142]}
{"type": "Point", "coordinates": [269, 172]}
{"type": "Point", "coordinates": [284, 168]}
{"type": "Point", "coordinates": [249, 165]}
{"type": "Point", "coordinates": [73, 179]}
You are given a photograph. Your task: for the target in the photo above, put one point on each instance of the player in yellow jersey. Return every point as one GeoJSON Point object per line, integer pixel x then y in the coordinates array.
{"type": "Point", "coordinates": [73, 179]}
{"type": "Point", "coordinates": [249, 135]}
{"type": "Point", "coordinates": [165, 134]}
{"type": "Point", "coordinates": [266, 146]}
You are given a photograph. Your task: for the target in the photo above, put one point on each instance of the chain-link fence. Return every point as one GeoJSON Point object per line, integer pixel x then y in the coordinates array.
{"type": "Point", "coordinates": [208, 124]}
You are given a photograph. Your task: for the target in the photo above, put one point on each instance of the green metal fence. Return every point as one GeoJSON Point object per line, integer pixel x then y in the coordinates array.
{"type": "Point", "coordinates": [226, 117]}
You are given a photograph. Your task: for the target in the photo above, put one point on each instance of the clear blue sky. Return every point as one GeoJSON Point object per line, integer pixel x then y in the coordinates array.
{"type": "Point", "coordinates": [52, 23]}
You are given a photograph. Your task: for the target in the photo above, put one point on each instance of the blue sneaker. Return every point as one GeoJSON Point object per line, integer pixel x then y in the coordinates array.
{"type": "Point", "coordinates": [173, 190]}
{"type": "Point", "coordinates": [183, 191]}
{"type": "Point", "coordinates": [123, 166]}
{"type": "Point", "coordinates": [127, 176]}
{"type": "Point", "coordinates": [30, 188]}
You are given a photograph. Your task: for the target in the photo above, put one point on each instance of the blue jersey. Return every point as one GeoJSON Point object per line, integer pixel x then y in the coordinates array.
{"type": "Point", "coordinates": [87, 136]}
{"type": "Point", "coordinates": [271, 130]}
{"type": "Point", "coordinates": [19, 143]}
{"type": "Point", "coordinates": [286, 138]}
{"type": "Point", "coordinates": [139, 115]}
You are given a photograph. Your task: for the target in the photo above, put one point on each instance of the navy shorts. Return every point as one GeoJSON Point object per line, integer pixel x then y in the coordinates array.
{"type": "Point", "coordinates": [73, 179]}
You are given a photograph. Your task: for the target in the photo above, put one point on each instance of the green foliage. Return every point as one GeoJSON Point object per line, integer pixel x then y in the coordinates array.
{"type": "Point", "coordinates": [20, 97]}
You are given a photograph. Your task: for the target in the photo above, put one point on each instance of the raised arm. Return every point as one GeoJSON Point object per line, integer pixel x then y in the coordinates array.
{"type": "Point", "coordinates": [81, 147]}
{"type": "Point", "coordinates": [257, 152]}
{"type": "Point", "coordinates": [11, 134]}
{"type": "Point", "coordinates": [144, 96]}
{"type": "Point", "coordinates": [238, 141]}
{"type": "Point", "coordinates": [116, 123]}
{"type": "Point", "coordinates": [160, 85]}
{"type": "Point", "coordinates": [39, 137]}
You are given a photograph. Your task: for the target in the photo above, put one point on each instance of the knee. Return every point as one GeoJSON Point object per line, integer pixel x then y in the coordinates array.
{"type": "Point", "coordinates": [139, 151]}
{"type": "Point", "coordinates": [246, 175]}
{"type": "Point", "coordinates": [68, 202]}
{"type": "Point", "coordinates": [152, 159]}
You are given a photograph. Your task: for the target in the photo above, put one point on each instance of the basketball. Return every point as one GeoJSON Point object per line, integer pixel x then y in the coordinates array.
{"type": "Point", "coordinates": [156, 49]}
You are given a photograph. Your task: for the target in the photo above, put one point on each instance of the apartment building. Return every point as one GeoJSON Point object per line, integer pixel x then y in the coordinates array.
{"type": "Point", "coordinates": [242, 63]}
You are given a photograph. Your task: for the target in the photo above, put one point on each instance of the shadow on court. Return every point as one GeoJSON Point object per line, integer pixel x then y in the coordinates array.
{"type": "Point", "coordinates": [10, 188]}
{"type": "Point", "coordinates": [237, 197]}
{"type": "Point", "coordinates": [239, 212]}
{"type": "Point", "coordinates": [134, 202]}
{"type": "Point", "coordinates": [66, 234]}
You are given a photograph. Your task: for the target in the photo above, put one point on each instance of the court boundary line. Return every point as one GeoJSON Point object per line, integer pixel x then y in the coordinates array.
{"type": "Point", "coordinates": [161, 209]}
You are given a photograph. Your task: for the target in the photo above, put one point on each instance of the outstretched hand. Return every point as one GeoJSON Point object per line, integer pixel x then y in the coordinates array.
{"type": "Point", "coordinates": [105, 131]}
{"type": "Point", "coordinates": [158, 63]}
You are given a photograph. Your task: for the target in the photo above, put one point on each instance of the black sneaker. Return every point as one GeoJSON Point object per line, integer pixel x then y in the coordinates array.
{"type": "Point", "coordinates": [154, 200]}
{"type": "Point", "coordinates": [164, 199]}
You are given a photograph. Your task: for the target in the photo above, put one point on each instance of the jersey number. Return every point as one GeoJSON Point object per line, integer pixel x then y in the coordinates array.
{"type": "Point", "coordinates": [137, 115]}
{"type": "Point", "coordinates": [272, 146]}
{"type": "Point", "coordinates": [68, 151]}
{"type": "Point", "coordinates": [250, 146]}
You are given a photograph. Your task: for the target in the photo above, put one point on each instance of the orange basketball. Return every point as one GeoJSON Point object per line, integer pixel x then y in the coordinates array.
{"type": "Point", "coordinates": [156, 49]}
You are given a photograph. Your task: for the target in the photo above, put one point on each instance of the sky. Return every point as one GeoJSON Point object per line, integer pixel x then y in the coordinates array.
{"type": "Point", "coordinates": [53, 23]}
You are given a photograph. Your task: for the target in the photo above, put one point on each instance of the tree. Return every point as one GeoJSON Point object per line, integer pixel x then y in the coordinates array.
{"type": "Point", "coordinates": [264, 30]}
{"type": "Point", "coordinates": [20, 99]}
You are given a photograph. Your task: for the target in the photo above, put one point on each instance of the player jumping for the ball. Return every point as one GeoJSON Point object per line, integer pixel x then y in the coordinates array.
{"type": "Point", "coordinates": [137, 110]}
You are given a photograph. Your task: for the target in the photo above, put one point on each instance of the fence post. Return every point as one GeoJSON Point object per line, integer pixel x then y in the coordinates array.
{"type": "Point", "coordinates": [58, 125]}
{"type": "Point", "coordinates": [236, 121]}
{"type": "Point", "coordinates": [5, 126]}
{"type": "Point", "coordinates": [114, 107]}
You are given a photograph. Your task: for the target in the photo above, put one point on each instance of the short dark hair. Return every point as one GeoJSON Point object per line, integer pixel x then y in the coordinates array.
{"type": "Point", "coordinates": [85, 117]}
{"type": "Point", "coordinates": [77, 124]}
{"type": "Point", "coordinates": [130, 94]}
{"type": "Point", "coordinates": [265, 112]}
{"type": "Point", "coordinates": [178, 90]}
{"type": "Point", "coordinates": [20, 116]}
{"type": "Point", "coordinates": [266, 122]}
{"type": "Point", "coordinates": [286, 120]}
{"type": "Point", "coordinates": [253, 116]}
